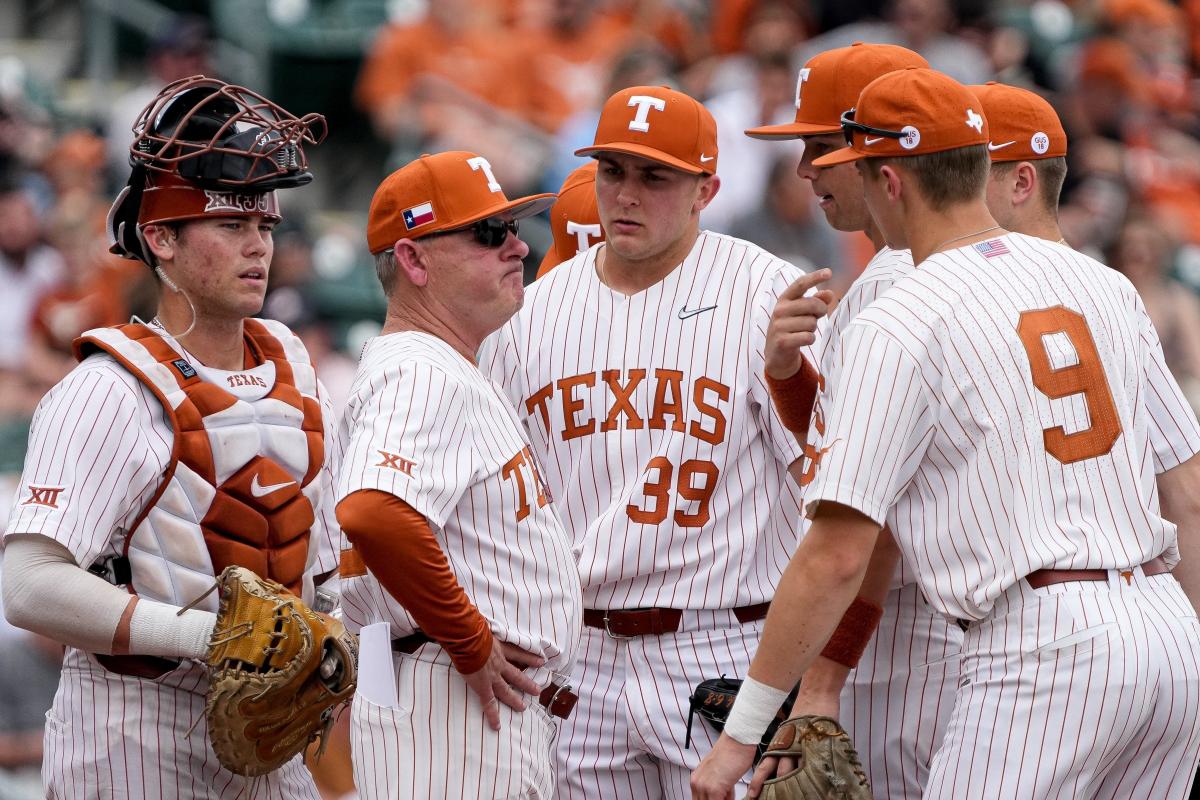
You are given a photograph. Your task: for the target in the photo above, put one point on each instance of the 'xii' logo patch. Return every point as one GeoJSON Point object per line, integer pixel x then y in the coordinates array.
{"type": "Point", "coordinates": [44, 496]}
{"type": "Point", "coordinates": [393, 461]}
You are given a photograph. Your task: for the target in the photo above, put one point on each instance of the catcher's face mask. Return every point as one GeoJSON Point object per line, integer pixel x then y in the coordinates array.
{"type": "Point", "coordinates": [205, 148]}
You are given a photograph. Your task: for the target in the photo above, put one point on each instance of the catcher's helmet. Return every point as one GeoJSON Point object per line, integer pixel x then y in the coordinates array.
{"type": "Point", "coordinates": [203, 147]}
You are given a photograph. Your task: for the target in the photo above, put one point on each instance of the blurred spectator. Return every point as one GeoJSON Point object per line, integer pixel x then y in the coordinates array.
{"type": "Point", "coordinates": [785, 222]}
{"type": "Point", "coordinates": [29, 672]}
{"type": "Point", "coordinates": [29, 270]}
{"type": "Point", "coordinates": [180, 50]}
{"type": "Point", "coordinates": [1143, 253]}
{"type": "Point", "coordinates": [766, 27]}
{"type": "Point", "coordinates": [454, 80]}
{"type": "Point", "coordinates": [921, 25]}
{"type": "Point", "coordinates": [640, 66]}
{"type": "Point", "coordinates": [747, 162]}
{"type": "Point", "coordinates": [568, 57]}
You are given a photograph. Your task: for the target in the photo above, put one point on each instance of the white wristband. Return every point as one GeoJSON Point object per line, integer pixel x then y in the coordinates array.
{"type": "Point", "coordinates": [157, 629]}
{"type": "Point", "coordinates": [756, 705]}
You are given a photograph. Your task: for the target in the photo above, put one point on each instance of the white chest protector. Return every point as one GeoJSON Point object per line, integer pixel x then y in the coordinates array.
{"type": "Point", "coordinates": [239, 487]}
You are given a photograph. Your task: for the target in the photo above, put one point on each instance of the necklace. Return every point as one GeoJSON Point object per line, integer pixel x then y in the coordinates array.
{"type": "Point", "coordinates": [963, 236]}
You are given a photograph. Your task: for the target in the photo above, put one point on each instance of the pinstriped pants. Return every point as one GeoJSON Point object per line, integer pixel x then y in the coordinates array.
{"type": "Point", "coordinates": [1081, 689]}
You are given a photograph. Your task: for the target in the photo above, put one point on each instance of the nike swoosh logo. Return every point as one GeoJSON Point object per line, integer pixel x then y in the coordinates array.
{"type": "Point", "coordinates": [994, 147]}
{"type": "Point", "coordinates": [868, 140]}
{"type": "Point", "coordinates": [684, 313]}
{"type": "Point", "coordinates": [705, 159]}
{"type": "Point", "coordinates": [258, 490]}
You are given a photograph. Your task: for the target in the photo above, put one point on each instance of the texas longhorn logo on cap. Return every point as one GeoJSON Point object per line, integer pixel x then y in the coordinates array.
{"type": "Point", "coordinates": [441, 192]}
{"type": "Point", "coordinates": [1024, 126]}
{"type": "Point", "coordinates": [907, 113]}
{"type": "Point", "coordinates": [830, 82]}
{"type": "Point", "coordinates": [660, 124]}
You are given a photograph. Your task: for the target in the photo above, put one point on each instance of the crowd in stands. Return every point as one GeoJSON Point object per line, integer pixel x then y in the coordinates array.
{"type": "Point", "coordinates": [521, 82]}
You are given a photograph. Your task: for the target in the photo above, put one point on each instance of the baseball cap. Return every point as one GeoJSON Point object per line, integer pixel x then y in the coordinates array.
{"type": "Point", "coordinates": [441, 192]}
{"type": "Point", "coordinates": [830, 83]}
{"type": "Point", "coordinates": [910, 112]}
{"type": "Point", "coordinates": [574, 218]}
{"type": "Point", "coordinates": [1023, 125]}
{"type": "Point", "coordinates": [660, 124]}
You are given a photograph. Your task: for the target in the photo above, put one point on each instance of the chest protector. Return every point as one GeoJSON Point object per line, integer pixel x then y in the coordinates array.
{"type": "Point", "coordinates": [238, 488]}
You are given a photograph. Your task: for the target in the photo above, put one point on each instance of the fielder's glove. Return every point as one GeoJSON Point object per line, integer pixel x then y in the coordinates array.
{"type": "Point", "coordinates": [277, 671]}
{"type": "Point", "coordinates": [828, 767]}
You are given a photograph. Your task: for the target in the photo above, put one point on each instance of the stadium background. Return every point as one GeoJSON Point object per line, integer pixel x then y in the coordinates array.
{"type": "Point", "coordinates": [521, 82]}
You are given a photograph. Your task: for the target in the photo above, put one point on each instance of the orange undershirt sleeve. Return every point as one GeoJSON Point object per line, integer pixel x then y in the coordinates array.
{"type": "Point", "coordinates": [397, 545]}
{"type": "Point", "coordinates": [795, 397]}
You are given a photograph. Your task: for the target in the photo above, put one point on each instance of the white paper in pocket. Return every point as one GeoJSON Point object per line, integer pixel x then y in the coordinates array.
{"type": "Point", "coordinates": [376, 672]}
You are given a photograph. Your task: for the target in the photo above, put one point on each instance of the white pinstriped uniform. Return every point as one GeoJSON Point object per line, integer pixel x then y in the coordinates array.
{"type": "Point", "coordinates": [994, 408]}
{"type": "Point", "coordinates": [101, 435]}
{"type": "Point", "coordinates": [654, 425]}
{"type": "Point", "coordinates": [424, 424]}
{"type": "Point", "coordinates": [897, 702]}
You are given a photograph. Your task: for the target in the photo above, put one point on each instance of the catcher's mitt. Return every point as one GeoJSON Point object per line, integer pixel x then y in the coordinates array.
{"type": "Point", "coordinates": [828, 769]}
{"type": "Point", "coordinates": [277, 671]}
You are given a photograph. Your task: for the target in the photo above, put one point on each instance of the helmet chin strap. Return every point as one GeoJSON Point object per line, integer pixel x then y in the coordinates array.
{"type": "Point", "coordinates": [162, 275]}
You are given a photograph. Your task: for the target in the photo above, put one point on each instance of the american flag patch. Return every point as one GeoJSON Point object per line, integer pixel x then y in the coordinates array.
{"type": "Point", "coordinates": [991, 248]}
{"type": "Point", "coordinates": [418, 215]}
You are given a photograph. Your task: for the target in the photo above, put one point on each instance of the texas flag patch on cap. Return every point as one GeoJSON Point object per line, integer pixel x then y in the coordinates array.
{"type": "Point", "coordinates": [418, 215]}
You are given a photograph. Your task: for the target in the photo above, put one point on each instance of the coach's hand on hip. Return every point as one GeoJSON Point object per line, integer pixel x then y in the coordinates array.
{"type": "Point", "coordinates": [721, 769]}
{"type": "Point", "coordinates": [502, 680]}
{"type": "Point", "coordinates": [794, 321]}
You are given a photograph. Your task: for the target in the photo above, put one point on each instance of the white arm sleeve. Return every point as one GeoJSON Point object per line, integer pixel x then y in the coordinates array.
{"type": "Point", "coordinates": [46, 592]}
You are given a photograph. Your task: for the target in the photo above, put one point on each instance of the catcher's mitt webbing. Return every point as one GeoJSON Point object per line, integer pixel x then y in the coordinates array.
{"type": "Point", "coordinates": [828, 767]}
{"type": "Point", "coordinates": [277, 671]}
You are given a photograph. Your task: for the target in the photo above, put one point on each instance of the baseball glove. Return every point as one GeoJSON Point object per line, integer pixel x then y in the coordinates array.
{"type": "Point", "coordinates": [713, 699]}
{"type": "Point", "coordinates": [277, 671]}
{"type": "Point", "coordinates": [828, 769]}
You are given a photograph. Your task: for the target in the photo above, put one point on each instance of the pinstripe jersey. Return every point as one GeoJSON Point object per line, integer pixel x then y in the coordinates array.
{"type": "Point", "coordinates": [97, 450]}
{"type": "Point", "coordinates": [993, 407]}
{"type": "Point", "coordinates": [885, 268]}
{"type": "Point", "coordinates": [653, 422]}
{"type": "Point", "coordinates": [422, 423]}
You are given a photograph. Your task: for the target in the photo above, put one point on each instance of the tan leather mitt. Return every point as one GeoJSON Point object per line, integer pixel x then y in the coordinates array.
{"type": "Point", "coordinates": [277, 672]}
{"type": "Point", "coordinates": [829, 768]}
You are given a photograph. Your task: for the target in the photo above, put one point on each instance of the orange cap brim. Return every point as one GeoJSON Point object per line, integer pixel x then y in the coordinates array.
{"type": "Point", "coordinates": [549, 261]}
{"type": "Point", "coordinates": [843, 156]}
{"type": "Point", "coordinates": [791, 130]}
{"type": "Point", "coordinates": [644, 152]}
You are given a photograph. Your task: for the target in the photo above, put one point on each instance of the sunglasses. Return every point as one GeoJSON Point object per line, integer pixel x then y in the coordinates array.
{"type": "Point", "coordinates": [849, 126]}
{"type": "Point", "coordinates": [490, 232]}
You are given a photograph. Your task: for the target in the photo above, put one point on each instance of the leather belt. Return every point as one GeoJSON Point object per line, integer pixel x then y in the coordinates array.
{"type": "Point", "coordinates": [1040, 579]}
{"type": "Point", "coordinates": [627, 623]}
{"type": "Point", "coordinates": [1049, 577]}
{"type": "Point", "coordinates": [558, 700]}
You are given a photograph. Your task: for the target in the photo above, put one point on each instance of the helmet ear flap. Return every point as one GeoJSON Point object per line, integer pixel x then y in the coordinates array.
{"type": "Point", "coordinates": [122, 224]}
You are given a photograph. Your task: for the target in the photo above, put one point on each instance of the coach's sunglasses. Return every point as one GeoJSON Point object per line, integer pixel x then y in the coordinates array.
{"type": "Point", "coordinates": [849, 126]}
{"type": "Point", "coordinates": [490, 232]}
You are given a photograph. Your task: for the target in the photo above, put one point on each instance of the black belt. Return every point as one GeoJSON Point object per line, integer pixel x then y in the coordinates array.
{"type": "Point", "coordinates": [558, 700]}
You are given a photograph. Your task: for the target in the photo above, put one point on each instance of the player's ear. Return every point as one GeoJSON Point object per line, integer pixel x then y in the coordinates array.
{"type": "Point", "coordinates": [893, 183]}
{"type": "Point", "coordinates": [412, 261]}
{"type": "Point", "coordinates": [1024, 182]}
{"type": "Point", "coordinates": [709, 186]}
{"type": "Point", "coordinates": [161, 241]}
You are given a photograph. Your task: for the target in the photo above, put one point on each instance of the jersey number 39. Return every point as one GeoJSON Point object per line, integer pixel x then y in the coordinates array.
{"type": "Point", "coordinates": [1086, 377]}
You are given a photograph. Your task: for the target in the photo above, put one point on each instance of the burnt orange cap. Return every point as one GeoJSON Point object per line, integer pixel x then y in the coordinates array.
{"type": "Point", "coordinates": [1023, 126]}
{"type": "Point", "coordinates": [933, 111]}
{"type": "Point", "coordinates": [574, 218]}
{"type": "Point", "coordinates": [831, 82]}
{"type": "Point", "coordinates": [660, 124]}
{"type": "Point", "coordinates": [440, 193]}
